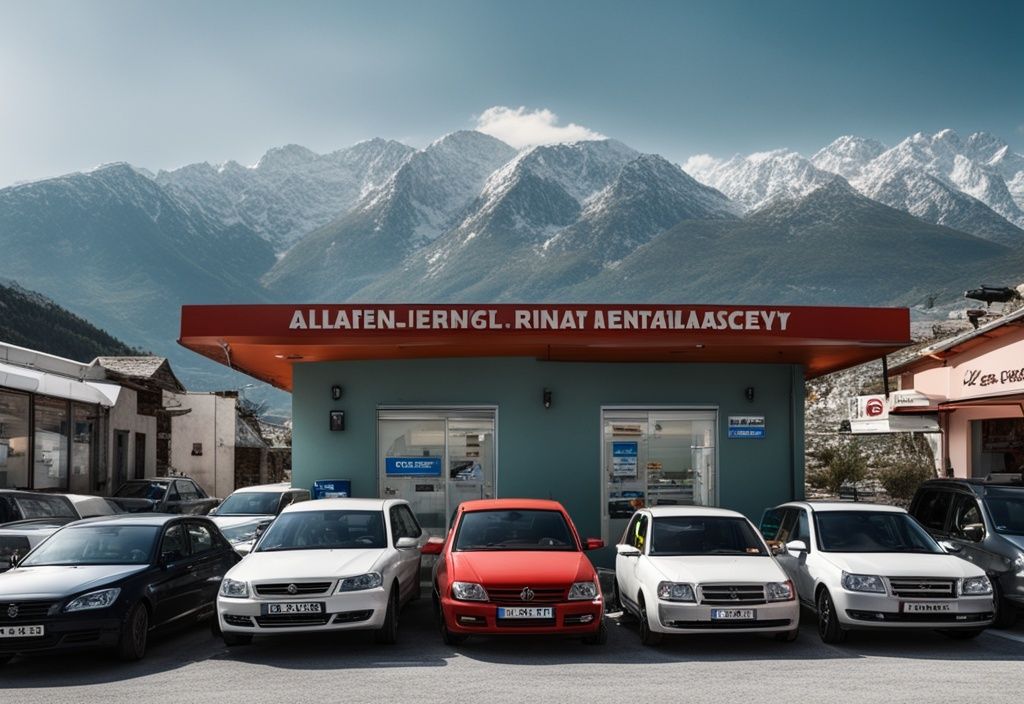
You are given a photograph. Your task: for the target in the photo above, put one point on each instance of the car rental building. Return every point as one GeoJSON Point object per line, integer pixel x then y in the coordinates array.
{"type": "Point", "coordinates": [602, 407]}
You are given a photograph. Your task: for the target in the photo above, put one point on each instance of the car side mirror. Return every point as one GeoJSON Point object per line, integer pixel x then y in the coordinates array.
{"type": "Point", "coordinates": [796, 546]}
{"type": "Point", "coordinates": [949, 546]}
{"type": "Point", "coordinates": [261, 528]}
{"type": "Point", "coordinates": [593, 544]}
{"type": "Point", "coordinates": [626, 550]}
{"type": "Point", "coordinates": [433, 546]}
{"type": "Point", "coordinates": [974, 532]}
{"type": "Point", "coordinates": [213, 511]}
{"type": "Point", "coordinates": [405, 543]}
{"type": "Point", "coordinates": [776, 547]}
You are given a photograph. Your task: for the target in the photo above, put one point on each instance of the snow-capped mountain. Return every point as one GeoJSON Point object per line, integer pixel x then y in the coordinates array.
{"type": "Point", "coordinates": [290, 192]}
{"type": "Point", "coordinates": [848, 155]}
{"type": "Point", "coordinates": [759, 179]}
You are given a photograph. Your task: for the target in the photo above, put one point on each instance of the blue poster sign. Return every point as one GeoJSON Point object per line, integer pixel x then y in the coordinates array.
{"type": "Point", "coordinates": [625, 456]}
{"type": "Point", "coordinates": [332, 488]}
{"type": "Point", "coordinates": [412, 466]}
{"type": "Point", "coordinates": [746, 426]}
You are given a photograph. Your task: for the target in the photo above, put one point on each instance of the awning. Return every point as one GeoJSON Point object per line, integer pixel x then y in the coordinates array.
{"type": "Point", "coordinates": [39, 382]}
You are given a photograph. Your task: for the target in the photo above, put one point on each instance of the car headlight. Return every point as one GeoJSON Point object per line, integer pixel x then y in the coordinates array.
{"type": "Point", "coordinates": [779, 591]}
{"type": "Point", "coordinates": [234, 589]}
{"type": "Point", "coordinates": [93, 600]}
{"type": "Point", "coordinates": [1018, 565]}
{"type": "Point", "coordinates": [674, 591]}
{"type": "Point", "coordinates": [863, 583]}
{"type": "Point", "coordinates": [976, 586]}
{"type": "Point", "coordinates": [582, 591]}
{"type": "Point", "coordinates": [468, 591]}
{"type": "Point", "coordinates": [370, 580]}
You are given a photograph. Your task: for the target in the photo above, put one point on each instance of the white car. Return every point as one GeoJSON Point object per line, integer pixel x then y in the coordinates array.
{"type": "Point", "coordinates": [687, 569]}
{"type": "Point", "coordinates": [17, 538]}
{"type": "Point", "coordinates": [325, 565]}
{"type": "Point", "coordinates": [865, 566]}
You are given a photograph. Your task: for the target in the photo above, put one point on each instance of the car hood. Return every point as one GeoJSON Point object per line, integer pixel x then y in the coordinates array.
{"type": "Point", "coordinates": [904, 564]}
{"type": "Point", "coordinates": [705, 569]}
{"type": "Point", "coordinates": [305, 564]}
{"type": "Point", "coordinates": [519, 567]}
{"type": "Point", "coordinates": [59, 581]}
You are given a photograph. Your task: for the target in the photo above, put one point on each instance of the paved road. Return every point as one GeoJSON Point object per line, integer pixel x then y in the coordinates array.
{"type": "Point", "coordinates": [192, 666]}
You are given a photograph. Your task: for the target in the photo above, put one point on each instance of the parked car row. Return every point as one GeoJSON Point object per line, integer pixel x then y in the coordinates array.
{"type": "Point", "coordinates": [506, 566]}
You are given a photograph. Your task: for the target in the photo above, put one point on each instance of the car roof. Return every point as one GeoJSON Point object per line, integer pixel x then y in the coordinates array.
{"type": "Point", "coordinates": [342, 504]}
{"type": "Point", "coordinates": [521, 504]}
{"type": "Point", "coordinates": [662, 511]}
{"type": "Point", "coordinates": [978, 486]}
{"type": "Point", "coordinates": [135, 519]}
{"type": "Point", "coordinates": [828, 506]}
{"type": "Point", "coordinates": [264, 488]}
{"type": "Point", "coordinates": [28, 492]}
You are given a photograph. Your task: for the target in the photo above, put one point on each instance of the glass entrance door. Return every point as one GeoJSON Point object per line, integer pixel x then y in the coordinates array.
{"type": "Point", "coordinates": [656, 457]}
{"type": "Point", "coordinates": [436, 459]}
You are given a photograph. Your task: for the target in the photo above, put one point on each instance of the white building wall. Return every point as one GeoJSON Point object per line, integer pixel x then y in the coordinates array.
{"type": "Point", "coordinates": [210, 422]}
{"type": "Point", "coordinates": [124, 417]}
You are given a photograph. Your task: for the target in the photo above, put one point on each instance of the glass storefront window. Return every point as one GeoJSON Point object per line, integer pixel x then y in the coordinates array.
{"type": "Point", "coordinates": [13, 440]}
{"type": "Point", "coordinates": [51, 443]}
{"type": "Point", "coordinates": [997, 446]}
{"type": "Point", "coordinates": [83, 448]}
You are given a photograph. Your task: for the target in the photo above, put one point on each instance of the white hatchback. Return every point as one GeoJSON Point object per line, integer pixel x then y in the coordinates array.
{"type": "Point", "coordinates": [687, 569]}
{"type": "Point", "coordinates": [326, 565]}
{"type": "Point", "coordinates": [866, 566]}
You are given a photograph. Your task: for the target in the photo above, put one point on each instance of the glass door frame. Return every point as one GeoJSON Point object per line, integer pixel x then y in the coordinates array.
{"type": "Point", "coordinates": [653, 408]}
{"type": "Point", "coordinates": [433, 412]}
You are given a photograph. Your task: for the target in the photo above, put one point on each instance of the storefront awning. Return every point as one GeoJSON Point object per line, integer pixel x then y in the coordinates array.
{"type": "Point", "coordinates": [34, 381]}
{"type": "Point", "coordinates": [264, 341]}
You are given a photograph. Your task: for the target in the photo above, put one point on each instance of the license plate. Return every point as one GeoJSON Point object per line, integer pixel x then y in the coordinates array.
{"type": "Point", "coordinates": [927, 607]}
{"type": "Point", "coordinates": [733, 614]}
{"type": "Point", "coordinates": [526, 612]}
{"type": "Point", "coordinates": [302, 607]}
{"type": "Point", "coordinates": [22, 631]}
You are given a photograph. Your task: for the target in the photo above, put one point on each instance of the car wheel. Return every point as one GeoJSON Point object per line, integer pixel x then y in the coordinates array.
{"type": "Point", "coordinates": [1006, 612]}
{"type": "Point", "coordinates": [599, 638]}
{"type": "Point", "coordinates": [233, 639]}
{"type": "Point", "coordinates": [788, 636]}
{"type": "Point", "coordinates": [388, 632]}
{"type": "Point", "coordinates": [962, 633]}
{"type": "Point", "coordinates": [134, 633]}
{"type": "Point", "coordinates": [828, 622]}
{"type": "Point", "coordinates": [447, 636]}
{"type": "Point", "coordinates": [647, 636]}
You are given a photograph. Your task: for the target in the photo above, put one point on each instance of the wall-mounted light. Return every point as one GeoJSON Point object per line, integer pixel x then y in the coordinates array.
{"type": "Point", "coordinates": [336, 392]}
{"type": "Point", "coordinates": [547, 398]}
{"type": "Point", "coordinates": [749, 393]}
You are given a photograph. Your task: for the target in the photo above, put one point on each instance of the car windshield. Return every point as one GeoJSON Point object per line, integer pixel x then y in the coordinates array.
{"type": "Point", "coordinates": [704, 535]}
{"type": "Point", "coordinates": [325, 530]}
{"type": "Point", "coordinates": [1007, 514]}
{"type": "Point", "coordinates": [514, 530]}
{"type": "Point", "coordinates": [96, 545]}
{"type": "Point", "coordinates": [872, 531]}
{"type": "Point", "coordinates": [250, 503]}
{"type": "Point", "coordinates": [45, 507]}
{"type": "Point", "coordinates": [142, 490]}
{"type": "Point", "coordinates": [240, 534]}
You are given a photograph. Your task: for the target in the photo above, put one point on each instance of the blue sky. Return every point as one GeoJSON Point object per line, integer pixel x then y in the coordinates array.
{"type": "Point", "coordinates": [164, 84]}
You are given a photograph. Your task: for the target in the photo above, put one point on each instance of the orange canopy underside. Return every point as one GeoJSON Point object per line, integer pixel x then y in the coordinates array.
{"type": "Point", "coordinates": [264, 341]}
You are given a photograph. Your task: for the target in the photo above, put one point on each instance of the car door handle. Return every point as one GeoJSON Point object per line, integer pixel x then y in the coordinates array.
{"type": "Point", "coordinates": [191, 568]}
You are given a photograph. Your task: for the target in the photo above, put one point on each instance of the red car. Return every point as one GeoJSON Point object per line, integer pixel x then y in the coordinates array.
{"type": "Point", "coordinates": [516, 566]}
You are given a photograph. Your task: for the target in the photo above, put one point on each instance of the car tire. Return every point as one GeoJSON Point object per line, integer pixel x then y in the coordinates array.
{"type": "Point", "coordinates": [962, 633]}
{"type": "Point", "coordinates": [234, 639]}
{"type": "Point", "coordinates": [647, 636]}
{"type": "Point", "coordinates": [1006, 612]}
{"type": "Point", "coordinates": [599, 638]}
{"type": "Point", "coordinates": [387, 634]}
{"type": "Point", "coordinates": [828, 622]}
{"type": "Point", "coordinates": [131, 644]}
{"type": "Point", "coordinates": [787, 636]}
{"type": "Point", "coordinates": [447, 636]}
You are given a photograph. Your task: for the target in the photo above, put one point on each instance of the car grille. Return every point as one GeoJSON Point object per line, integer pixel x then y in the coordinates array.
{"type": "Point", "coordinates": [25, 610]}
{"type": "Point", "coordinates": [729, 594]}
{"type": "Point", "coordinates": [727, 625]}
{"type": "Point", "coordinates": [287, 620]}
{"type": "Point", "coordinates": [923, 588]}
{"type": "Point", "coordinates": [514, 596]}
{"type": "Point", "coordinates": [301, 589]}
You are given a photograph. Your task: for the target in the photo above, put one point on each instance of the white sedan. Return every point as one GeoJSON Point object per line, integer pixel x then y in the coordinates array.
{"type": "Point", "coordinates": [866, 566]}
{"type": "Point", "coordinates": [686, 569]}
{"type": "Point", "coordinates": [326, 565]}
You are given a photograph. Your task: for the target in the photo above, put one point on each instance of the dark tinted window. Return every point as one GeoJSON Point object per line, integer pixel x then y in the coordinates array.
{"type": "Point", "coordinates": [787, 527]}
{"type": "Point", "coordinates": [1007, 512]}
{"type": "Point", "coordinates": [96, 545]}
{"type": "Point", "coordinates": [514, 530]}
{"type": "Point", "coordinates": [803, 531]}
{"type": "Point", "coordinates": [200, 538]}
{"type": "Point", "coordinates": [175, 543]}
{"type": "Point", "coordinates": [932, 507]}
{"type": "Point", "coordinates": [704, 535]}
{"type": "Point", "coordinates": [251, 503]}
{"type": "Point", "coordinates": [870, 531]}
{"type": "Point", "coordinates": [325, 530]}
{"type": "Point", "coordinates": [142, 490]}
{"type": "Point", "coordinates": [41, 506]}
{"type": "Point", "coordinates": [187, 491]}
{"type": "Point", "coordinates": [771, 521]}
{"type": "Point", "coordinates": [966, 512]}
{"type": "Point", "coordinates": [412, 526]}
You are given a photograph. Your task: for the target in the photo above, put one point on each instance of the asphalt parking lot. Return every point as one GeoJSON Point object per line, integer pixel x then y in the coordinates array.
{"type": "Point", "coordinates": [191, 665]}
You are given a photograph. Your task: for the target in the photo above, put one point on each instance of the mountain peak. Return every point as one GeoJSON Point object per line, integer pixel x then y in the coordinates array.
{"type": "Point", "coordinates": [290, 155]}
{"type": "Point", "coordinates": [847, 155]}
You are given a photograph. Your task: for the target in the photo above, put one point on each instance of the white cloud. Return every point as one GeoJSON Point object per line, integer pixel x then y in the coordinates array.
{"type": "Point", "coordinates": [520, 127]}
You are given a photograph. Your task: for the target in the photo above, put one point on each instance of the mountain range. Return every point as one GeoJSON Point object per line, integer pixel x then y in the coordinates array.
{"type": "Point", "coordinates": [469, 218]}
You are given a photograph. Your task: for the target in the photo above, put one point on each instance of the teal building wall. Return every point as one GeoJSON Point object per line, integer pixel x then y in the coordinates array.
{"type": "Point", "coordinates": [555, 452]}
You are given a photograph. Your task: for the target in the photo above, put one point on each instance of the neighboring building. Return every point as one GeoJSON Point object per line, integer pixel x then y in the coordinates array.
{"type": "Point", "coordinates": [603, 407]}
{"type": "Point", "coordinates": [974, 382]}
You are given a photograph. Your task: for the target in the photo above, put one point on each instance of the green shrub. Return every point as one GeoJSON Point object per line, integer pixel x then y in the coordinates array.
{"type": "Point", "coordinates": [901, 480]}
{"type": "Point", "coordinates": [845, 463]}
